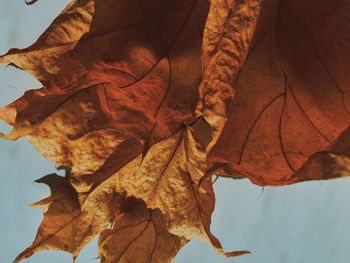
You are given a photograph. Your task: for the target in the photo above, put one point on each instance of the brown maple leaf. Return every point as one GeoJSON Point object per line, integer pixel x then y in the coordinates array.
{"type": "Point", "coordinates": [118, 108]}
{"type": "Point", "coordinates": [227, 37]}
{"type": "Point", "coordinates": [292, 96]}
{"type": "Point", "coordinates": [122, 109]}
{"type": "Point", "coordinates": [138, 228]}
{"type": "Point", "coordinates": [143, 88]}
{"type": "Point", "coordinates": [168, 183]}
{"type": "Point", "coordinates": [69, 226]}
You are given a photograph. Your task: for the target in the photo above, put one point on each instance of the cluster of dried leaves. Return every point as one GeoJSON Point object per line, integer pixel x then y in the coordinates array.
{"type": "Point", "coordinates": [144, 101]}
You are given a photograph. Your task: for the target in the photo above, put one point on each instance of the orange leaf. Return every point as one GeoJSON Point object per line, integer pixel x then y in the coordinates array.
{"type": "Point", "coordinates": [292, 94]}
{"type": "Point", "coordinates": [139, 234]}
{"type": "Point", "coordinates": [227, 37]}
{"type": "Point", "coordinates": [121, 87]}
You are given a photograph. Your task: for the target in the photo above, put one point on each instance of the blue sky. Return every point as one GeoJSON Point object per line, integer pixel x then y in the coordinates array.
{"type": "Point", "coordinates": [308, 222]}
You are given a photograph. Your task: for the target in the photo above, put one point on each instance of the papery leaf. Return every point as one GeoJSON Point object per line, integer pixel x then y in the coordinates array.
{"type": "Point", "coordinates": [143, 88]}
{"type": "Point", "coordinates": [227, 36]}
{"type": "Point", "coordinates": [167, 178]}
{"type": "Point", "coordinates": [140, 235]}
{"type": "Point", "coordinates": [292, 94]}
{"type": "Point", "coordinates": [69, 227]}
{"type": "Point", "coordinates": [170, 181]}
{"type": "Point", "coordinates": [118, 108]}
{"type": "Point", "coordinates": [143, 68]}
{"type": "Point", "coordinates": [140, 107]}
{"type": "Point", "coordinates": [64, 226]}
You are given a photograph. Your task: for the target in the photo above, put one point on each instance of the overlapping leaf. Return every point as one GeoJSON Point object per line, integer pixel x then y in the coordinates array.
{"type": "Point", "coordinates": [129, 108]}
{"type": "Point", "coordinates": [69, 227]}
{"type": "Point", "coordinates": [66, 226]}
{"type": "Point", "coordinates": [141, 81]}
{"type": "Point", "coordinates": [138, 235]}
{"type": "Point", "coordinates": [227, 38]}
{"type": "Point", "coordinates": [121, 86]}
{"type": "Point", "coordinates": [292, 98]}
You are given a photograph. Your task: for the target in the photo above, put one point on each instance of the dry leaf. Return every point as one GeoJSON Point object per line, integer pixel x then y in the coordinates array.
{"type": "Point", "coordinates": [171, 188]}
{"type": "Point", "coordinates": [122, 111]}
{"type": "Point", "coordinates": [143, 88]}
{"type": "Point", "coordinates": [292, 98]}
{"type": "Point", "coordinates": [166, 177]}
{"type": "Point", "coordinates": [69, 227]}
{"type": "Point", "coordinates": [64, 226]}
{"type": "Point", "coordinates": [118, 110]}
{"type": "Point", "coordinates": [140, 235]}
{"type": "Point", "coordinates": [169, 181]}
{"type": "Point", "coordinates": [227, 36]}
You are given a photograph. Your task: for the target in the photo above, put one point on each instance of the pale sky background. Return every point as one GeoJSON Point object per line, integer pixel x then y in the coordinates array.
{"type": "Point", "coordinates": [308, 222]}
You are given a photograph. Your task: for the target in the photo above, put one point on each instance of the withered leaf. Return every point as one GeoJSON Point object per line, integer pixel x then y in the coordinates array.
{"type": "Point", "coordinates": [69, 227]}
{"type": "Point", "coordinates": [121, 108]}
{"type": "Point", "coordinates": [143, 88]}
{"type": "Point", "coordinates": [169, 181]}
{"type": "Point", "coordinates": [143, 68]}
{"type": "Point", "coordinates": [227, 37]}
{"type": "Point", "coordinates": [166, 178]}
{"type": "Point", "coordinates": [61, 228]}
{"type": "Point", "coordinates": [140, 235]}
{"type": "Point", "coordinates": [292, 95]}
{"type": "Point", "coordinates": [171, 188]}
{"type": "Point", "coordinates": [118, 106]}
